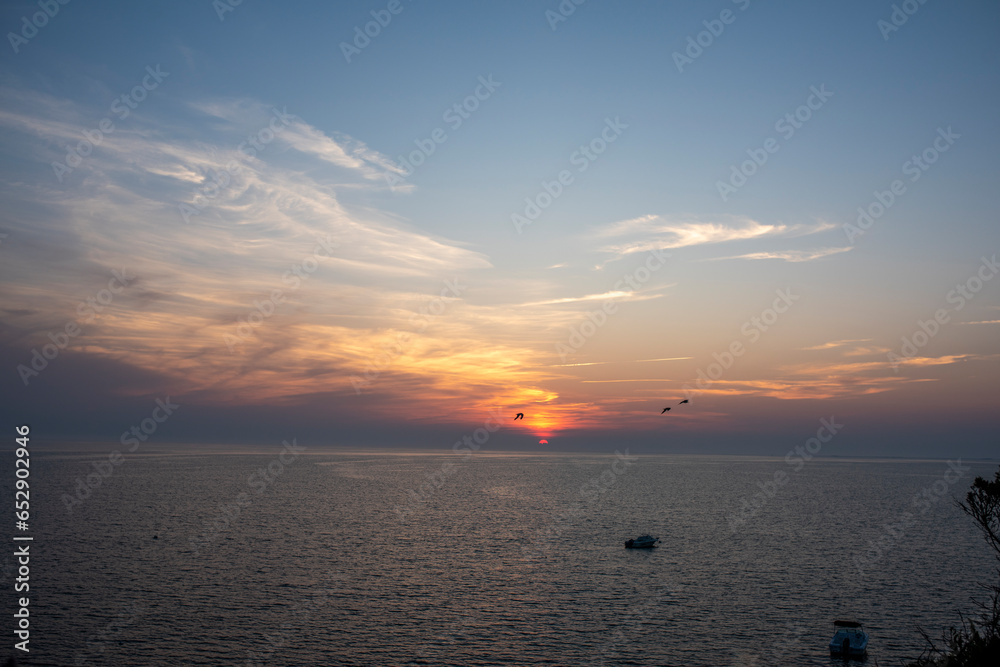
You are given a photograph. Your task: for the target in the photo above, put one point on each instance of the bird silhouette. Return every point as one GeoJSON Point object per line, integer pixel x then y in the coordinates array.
{"type": "Point", "coordinates": [664, 410]}
{"type": "Point", "coordinates": [683, 402]}
{"type": "Point", "coordinates": [519, 415]}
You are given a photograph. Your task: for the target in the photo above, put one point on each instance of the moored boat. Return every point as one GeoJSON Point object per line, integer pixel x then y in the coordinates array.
{"type": "Point", "coordinates": [849, 639]}
{"type": "Point", "coordinates": [642, 542]}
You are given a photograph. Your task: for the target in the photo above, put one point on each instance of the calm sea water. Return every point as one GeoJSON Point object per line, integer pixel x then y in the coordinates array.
{"type": "Point", "coordinates": [343, 559]}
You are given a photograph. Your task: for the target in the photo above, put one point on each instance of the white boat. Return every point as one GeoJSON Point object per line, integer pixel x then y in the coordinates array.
{"type": "Point", "coordinates": [849, 639]}
{"type": "Point", "coordinates": [642, 542]}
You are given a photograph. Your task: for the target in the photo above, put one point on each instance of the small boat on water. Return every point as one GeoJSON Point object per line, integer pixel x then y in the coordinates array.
{"type": "Point", "coordinates": [642, 542]}
{"type": "Point", "coordinates": [849, 639]}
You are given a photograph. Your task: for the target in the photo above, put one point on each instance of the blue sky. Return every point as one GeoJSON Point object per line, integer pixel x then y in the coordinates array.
{"type": "Point", "coordinates": [326, 173]}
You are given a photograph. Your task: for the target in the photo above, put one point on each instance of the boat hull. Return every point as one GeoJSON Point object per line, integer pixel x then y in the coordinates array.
{"type": "Point", "coordinates": [644, 542]}
{"type": "Point", "coordinates": [855, 646]}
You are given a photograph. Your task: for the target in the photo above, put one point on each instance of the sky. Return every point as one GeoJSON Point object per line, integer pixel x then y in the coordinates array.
{"type": "Point", "coordinates": [397, 224]}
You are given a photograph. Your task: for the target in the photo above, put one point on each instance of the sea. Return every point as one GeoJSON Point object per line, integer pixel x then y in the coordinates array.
{"type": "Point", "coordinates": [294, 556]}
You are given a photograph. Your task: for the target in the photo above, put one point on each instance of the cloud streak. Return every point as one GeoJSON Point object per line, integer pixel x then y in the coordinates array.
{"type": "Point", "coordinates": [654, 232]}
{"type": "Point", "coordinates": [789, 255]}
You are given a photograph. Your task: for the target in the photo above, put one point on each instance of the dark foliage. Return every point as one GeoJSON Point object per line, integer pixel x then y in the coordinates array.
{"type": "Point", "coordinates": [975, 642]}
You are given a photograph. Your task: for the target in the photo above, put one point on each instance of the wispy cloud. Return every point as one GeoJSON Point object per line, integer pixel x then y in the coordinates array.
{"type": "Point", "coordinates": [615, 295]}
{"type": "Point", "coordinates": [341, 150]}
{"type": "Point", "coordinates": [636, 361]}
{"type": "Point", "coordinates": [654, 232]}
{"type": "Point", "coordinates": [944, 360]}
{"type": "Point", "coordinates": [811, 389]}
{"type": "Point", "coordinates": [836, 343]}
{"type": "Point", "coordinates": [789, 255]}
{"type": "Point", "coordinates": [625, 380]}
{"type": "Point", "coordinates": [576, 299]}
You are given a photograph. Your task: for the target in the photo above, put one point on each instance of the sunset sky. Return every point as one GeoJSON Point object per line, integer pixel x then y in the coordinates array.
{"type": "Point", "coordinates": [292, 228]}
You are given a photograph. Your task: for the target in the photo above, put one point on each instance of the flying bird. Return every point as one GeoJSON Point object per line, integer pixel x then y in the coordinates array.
{"type": "Point", "coordinates": [519, 415]}
{"type": "Point", "coordinates": [683, 402]}
{"type": "Point", "coordinates": [664, 410]}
